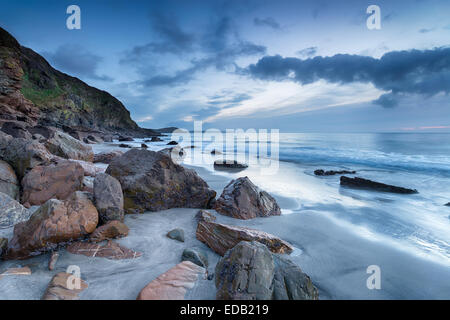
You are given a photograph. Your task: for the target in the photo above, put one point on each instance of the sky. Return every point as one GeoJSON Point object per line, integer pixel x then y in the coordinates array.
{"type": "Point", "coordinates": [296, 66]}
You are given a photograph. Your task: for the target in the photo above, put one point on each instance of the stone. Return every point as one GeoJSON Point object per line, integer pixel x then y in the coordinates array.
{"type": "Point", "coordinates": [123, 145]}
{"type": "Point", "coordinates": [11, 211]}
{"type": "Point", "coordinates": [55, 223]}
{"type": "Point", "coordinates": [229, 164]}
{"type": "Point", "coordinates": [448, 204]}
{"type": "Point", "coordinates": [122, 138]}
{"type": "Point", "coordinates": [220, 237]}
{"type": "Point", "coordinates": [175, 284]}
{"type": "Point", "coordinates": [23, 271]}
{"type": "Point", "coordinates": [63, 286]}
{"type": "Point", "coordinates": [214, 152]}
{"type": "Point", "coordinates": [361, 183]}
{"type": "Point", "coordinates": [17, 129]}
{"type": "Point", "coordinates": [245, 272]}
{"type": "Point", "coordinates": [106, 157]}
{"type": "Point", "coordinates": [143, 145]}
{"type": "Point", "coordinates": [111, 230]}
{"type": "Point", "coordinates": [176, 234]}
{"type": "Point", "coordinates": [57, 180]}
{"type": "Point", "coordinates": [64, 145]}
{"type": "Point", "coordinates": [321, 172]}
{"type": "Point", "coordinates": [154, 139]}
{"type": "Point", "coordinates": [151, 181]}
{"type": "Point", "coordinates": [172, 143]}
{"type": "Point", "coordinates": [196, 256]}
{"type": "Point", "coordinates": [108, 198]}
{"type": "Point", "coordinates": [241, 199]}
{"type": "Point", "coordinates": [110, 250]}
{"type": "Point", "coordinates": [8, 181]}
{"type": "Point", "coordinates": [89, 168]}
{"type": "Point", "coordinates": [3, 246]}
{"type": "Point", "coordinates": [52, 261]}
{"type": "Point", "coordinates": [203, 215]}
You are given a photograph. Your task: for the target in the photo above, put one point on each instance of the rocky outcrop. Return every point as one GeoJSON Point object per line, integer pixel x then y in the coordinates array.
{"type": "Point", "coordinates": [64, 286]}
{"type": "Point", "coordinates": [110, 250]}
{"type": "Point", "coordinates": [221, 237]}
{"type": "Point", "coordinates": [241, 199]}
{"type": "Point", "coordinates": [196, 256]}
{"type": "Point", "coordinates": [111, 230]}
{"type": "Point", "coordinates": [17, 129]}
{"type": "Point", "coordinates": [175, 284]}
{"type": "Point", "coordinates": [55, 222]}
{"type": "Point", "coordinates": [63, 145]}
{"type": "Point", "coordinates": [57, 180]}
{"type": "Point", "coordinates": [108, 198]}
{"type": "Point", "coordinates": [361, 183]}
{"type": "Point", "coordinates": [11, 211]}
{"type": "Point", "coordinates": [106, 157]}
{"type": "Point", "coordinates": [229, 164]}
{"type": "Point", "coordinates": [321, 172]}
{"type": "Point", "coordinates": [151, 181]}
{"type": "Point", "coordinates": [8, 181]}
{"type": "Point", "coordinates": [245, 272]}
{"type": "Point", "coordinates": [176, 234]}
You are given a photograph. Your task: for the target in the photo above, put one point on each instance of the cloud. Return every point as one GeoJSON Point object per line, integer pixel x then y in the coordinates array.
{"type": "Point", "coordinates": [76, 60]}
{"type": "Point", "coordinates": [387, 100]}
{"type": "Point", "coordinates": [267, 22]}
{"type": "Point", "coordinates": [425, 72]}
{"type": "Point", "coordinates": [307, 52]}
{"type": "Point", "coordinates": [425, 30]}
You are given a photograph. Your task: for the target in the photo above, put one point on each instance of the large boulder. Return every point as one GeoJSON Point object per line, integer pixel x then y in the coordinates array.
{"type": "Point", "coordinates": [63, 286]}
{"type": "Point", "coordinates": [57, 180]}
{"type": "Point", "coordinates": [8, 180]}
{"type": "Point", "coordinates": [220, 237]}
{"type": "Point", "coordinates": [11, 211]}
{"type": "Point", "coordinates": [54, 223]}
{"type": "Point", "coordinates": [64, 145]}
{"type": "Point", "coordinates": [245, 273]}
{"type": "Point", "coordinates": [106, 157]}
{"type": "Point", "coordinates": [243, 200]}
{"type": "Point", "coordinates": [175, 284]}
{"type": "Point", "coordinates": [151, 181]}
{"type": "Point", "coordinates": [108, 198]}
{"type": "Point", "coordinates": [22, 154]}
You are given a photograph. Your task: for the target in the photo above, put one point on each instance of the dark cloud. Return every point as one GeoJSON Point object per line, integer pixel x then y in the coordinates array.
{"type": "Point", "coordinates": [425, 72]}
{"type": "Point", "coordinates": [76, 60]}
{"type": "Point", "coordinates": [267, 22]}
{"type": "Point", "coordinates": [307, 52]}
{"type": "Point", "coordinates": [387, 100]}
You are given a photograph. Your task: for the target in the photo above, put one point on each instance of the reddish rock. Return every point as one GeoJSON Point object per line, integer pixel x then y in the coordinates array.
{"type": "Point", "coordinates": [25, 271]}
{"type": "Point", "coordinates": [241, 199]}
{"type": "Point", "coordinates": [63, 286]}
{"type": "Point", "coordinates": [221, 237]}
{"type": "Point", "coordinates": [111, 230]}
{"type": "Point", "coordinates": [174, 284]}
{"type": "Point", "coordinates": [107, 157]}
{"type": "Point", "coordinates": [55, 222]}
{"type": "Point", "coordinates": [111, 250]}
{"type": "Point", "coordinates": [55, 181]}
{"type": "Point", "coordinates": [53, 259]}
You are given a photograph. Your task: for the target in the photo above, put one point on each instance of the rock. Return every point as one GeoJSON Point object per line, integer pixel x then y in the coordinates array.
{"type": "Point", "coordinates": [361, 183]}
{"type": "Point", "coordinates": [448, 204]}
{"type": "Point", "coordinates": [203, 215]}
{"type": "Point", "coordinates": [221, 237]}
{"type": "Point", "coordinates": [108, 198]}
{"type": "Point", "coordinates": [320, 172]}
{"type": "Point", "coordinates": [245, 272]}
{"type": "Point", "coordinates": [57, 180]}
{"type": "Point", "coordinates": [172, 143]}
{"type": "Point", "coordinates": [17, 129]}
{"type": "Point", "coordinates": [151, 181]}
{"type": "Point", "coordinates": [214, 151]}
{"type": "Point", "coordinates": [143, 145]}
{"type": "Point", "coordinates": [53, 259]}
{"type": "Point", "coordinates": [241, 199]}
{"type": "Point", "coordinates": [63, 145]}
{"type": "Point", "coordinates": [229, 164]}
{"type": "Point", "coordinates": [175, 284]}
{"type": "Point", "coordinates": [111, 230]}
{"type": "Point", "coordinates": [123, 145]}
{"type": "Point", "coordinates": [88, 184]}
{"type": "Point", "coordinates": [195, 256]}
{"type": "Point", "coordinates": [54, 223]}
{"type": "Point", "coordinates": [290, 283]}
{"type": "Point", "coordinates": [11, 211]}
{"type": "Point", "coordinates": [122, 138]}
{"type": "Point", "coordinates": [8, 180]}
{"type": "Point", "coordinates": [176, 234]}
{"type": "Point", "coordinates": [63, 286]}
{"type": "Point", "coordinates": [24, 271]}
{"type": "Point", "coordinates": [106, 157]}
{"type": "Point", "coordinates": [89, 168]}
{"type": "Point", "coordinates": [23, 155]}
{"type": "Point", "coordinates": [3, 246]}
{"type": "Point", "coordinates": [154, 139]}
{"type": "Point", "coordinates": [110, 250]}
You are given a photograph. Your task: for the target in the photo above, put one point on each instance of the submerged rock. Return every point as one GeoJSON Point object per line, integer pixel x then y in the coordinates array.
{"type": "Point", "coordinates": [372, 185]}
{"type": "Point", "coordinates": [111, 230]}
{"type": "Point", "coordinates": [106, 157]}
{"type": "Point", "coordinates": [172, 143]}
{"type": "Point", "coordinates": [151, 181]}
{"type": "Point", "coordinates": [175, 284]}
{"type": "Point", "coordinates": [122, 138]}
{"type": "Point", "coordinates": [245, 272]}
{"type": "Point", "coordinates": [196, 256]}
{"type": "Point", "coordinates": [57, 180]}
{"type": "Point", "coordinates": [64, 286]}
{"type": "Point", "coordinates": [108, 198]}
{"type": "Point", "coordinates": [320, 172]}
{"type": "Point", "coordinates": [110, 250]}
{"type": "Point", "coordinates": [176, 234]}
{"type": "Point", "coordinates": [11, 211]}
{"type": "Point", "coordinates": [55, 222]}
{"type": "Point", "coordinates": [221, 237]}
{"type": "Point", "coordinates": [8, 181]}
{"type": "Point", "coordinates": [143, 145]}
{"type": "Point", "coordinates": [241, 199]}
{"type": "Point", "coordinates": [229, 164]}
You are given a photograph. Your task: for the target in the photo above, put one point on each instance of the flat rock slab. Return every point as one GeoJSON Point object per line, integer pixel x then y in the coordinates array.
{"type": "Point", "coordinates": [361, 183]}
{"type": "Point", "coordinates": [321, 172]}
{"type": "Point", "coordinates": [175, 283]}
{"type": "Point", "coordinates": [64, 286]}
{"type": "Point", "coordinates": [110, 250]}
{"type": "Point", "coordinates": [25, 271]}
